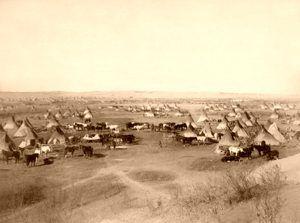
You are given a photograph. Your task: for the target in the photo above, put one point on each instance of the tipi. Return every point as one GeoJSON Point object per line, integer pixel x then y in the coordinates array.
{"type": "Point", "coordinates": [227, 139]}
{"type": "Point", "coordinates": [11, 124]}
{"type": "Point", "coordinates": [224, 124]}
{"type": "Point", "coordinates": [6, 143]}
{"type": "Point", "coordinates": [188, 133]}
{"type": "Point", "coordinates": [203, 117]}
{"type": "Point", "coordinates": [240, 131]}
{"type": "Point", "coordinates": [58, 136]}
{"type": "Point", "coordinates": [264, 135]}
{"type": "Point", "coordinates": [190, 121]}
{"type": "Point", "coordinates": [30, 140]}
{"type": "Point", "coordinates": [24, 130]}
{"type": "Point", "coordinates": [207, 131]}
{"type": "Point", "coordinates": [273, 129]}
{"type": "Point", "coordinates": [51, 123]}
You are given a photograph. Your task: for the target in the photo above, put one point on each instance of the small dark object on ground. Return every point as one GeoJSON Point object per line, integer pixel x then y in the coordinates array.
{"type": "Point", "coordinates": [100, 155]}
{"type": "Point", "coordinates": [230, 158]}
{"type": "Point", "coordinates": [273, 154]}
{"type": "Point", "coordinates": [48, 161]}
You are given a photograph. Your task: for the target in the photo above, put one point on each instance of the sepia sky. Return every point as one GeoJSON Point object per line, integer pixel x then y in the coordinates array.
{"type": "Point", "coordinates": [188, 45]}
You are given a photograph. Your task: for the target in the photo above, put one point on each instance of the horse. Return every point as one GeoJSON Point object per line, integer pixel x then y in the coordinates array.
{"type": "Point", "coordinates": [87, 150]}
{"type": "Point", "coordinates": [128, 138]}
{"type": "Point", "coordinates": [43, 149]}
{"type": "Point", "coordinates": [138, 127]}
{"type": "Point", "coordinates": [188, 141]}
{"type": "Point", "coordinates": [262, 149]}
{"type": "Point", "coordinates": [233, 150]}
{"type": "Point", "coordinates": [31, 159]}
{"type": "Point", "coordinates": [247, 152]}
{"type": "Point", "coordinates": [46, 149]}
{"type": "Point", "coordinates": [9, 154]}
{"type": "Point", "coordinates": [70, 149]}
{"type": "Point", "coordinates": [180, 127]}
{"type": "Point", "coordinates": [273, 154]}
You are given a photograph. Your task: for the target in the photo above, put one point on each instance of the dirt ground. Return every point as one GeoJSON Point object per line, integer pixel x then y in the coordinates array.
{"type": "Point", "coordinates": [136, 184]}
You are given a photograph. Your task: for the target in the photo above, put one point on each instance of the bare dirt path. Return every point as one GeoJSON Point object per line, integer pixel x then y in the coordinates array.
{"type": "Point", "coordinates": [142, 189]}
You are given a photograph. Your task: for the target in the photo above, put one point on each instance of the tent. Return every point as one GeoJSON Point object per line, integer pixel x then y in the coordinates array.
{"type": "Point", "coordinates": [296, 135]}
{"type": "Point", "coordinates": [48, 115]}
{"type": "Point", "coordinates": [274, 115]}
{"type": "Point", "coordinates": [273, 129]}
{"type": "Point", "coordinates": [91, 137]}
{"type": "Point", "coordinates": [30, 140]}
{"type": "Point", "coordinates": [76, 113]}
{"type": "Point", "coordinates": [245, 117]}
{"type": "Point", "coordinates": [52, 123]}
{"type": "Point", "coordinates": [178, 114]}
{"type": "Point", "coordinates": [223, 125]}
{"type": "Point", "coordinates": [247, 122]}
{"type": "Point", "coordinates": [67, 113]}
{"type": "Point", "coordinates": [190, 121]}
{"type": "Point", "coordinates": [296, 122]}
{"type": "Point", "coordinates": [238, 109]}
{"type": "Point", "coordinates": [58, 115]}
{"type": "Point", "coordinates": [87, 110]}
{"type": "Point", "coordinates": [207, 131]}
{"type": "Point", "coordinates": [24, 130]}
{"type": "Point", "coordinates": [232, 114]}
{"type": "Point", "coordinates": [188, 133]}
{"type": "Point", "coordinates": [11, 124]}
{"type": "Point", "coordinates": [253, 119]}
{"type": "Point", "coordinates": [6, 143]}
{"type": "Point", "coordinates": [149, 114]}
{"type": "Point", "coordinates": [203, 117]}
{"type": "Point", "coordinates": [1, 129]}
{"type": "Point", "coordinates": [240, 131]}
{"type": "Point", "coordinates": [264, 135]}
{"type": "Point", "coordinates": [88, 116]}
{"type": "Point", "coordinates": [28, 123]}
{"type": "Point", "coordinates": [277, 106]}
{"type": "Point", "coordinates": [227, 139]}
{"type": "Point", "coordinates": [57, 137]}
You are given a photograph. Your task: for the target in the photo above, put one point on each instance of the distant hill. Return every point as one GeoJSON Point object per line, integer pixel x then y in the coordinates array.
{"type": "Point", "coordinates": [145, 94]}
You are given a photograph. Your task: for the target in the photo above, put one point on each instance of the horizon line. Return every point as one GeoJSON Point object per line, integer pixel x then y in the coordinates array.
{"type": "Point", "coordinates": [156, 91]}
{"type": "Point", "coordinates": [148, 91]}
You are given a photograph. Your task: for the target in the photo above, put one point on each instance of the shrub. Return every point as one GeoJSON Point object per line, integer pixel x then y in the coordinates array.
{"type": "Point", "coordinates": [59, 204]}
{"type": "Point", "coordinates": [267, 208]}
{"type": "Point", "coordinates": [20, 194]}
{"type": "Point", "coordinates": [207, 202]}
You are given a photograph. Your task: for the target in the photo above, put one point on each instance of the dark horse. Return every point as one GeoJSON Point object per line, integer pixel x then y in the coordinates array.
{"type": "Point", "coordinates": [70, 149]}
{"type": "Point", "coordinates": [262, 149]}
{"type": "Point", "coordinates": [8, 154]}
{"type": "Point", "coordinates": [246, 152]}
{"type": "Point", "coordinates": [31, 159]}
{"type": "Point", "coordinates": [273, 154]}
{"type": "Point", "coordinates": [87, 150]}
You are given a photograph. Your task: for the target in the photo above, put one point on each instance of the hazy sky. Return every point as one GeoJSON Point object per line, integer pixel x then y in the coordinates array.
{"type": "Point", "coordinates": [172, 45]}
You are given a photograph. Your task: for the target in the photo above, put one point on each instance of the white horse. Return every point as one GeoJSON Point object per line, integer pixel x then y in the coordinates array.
{"type": "Point", "coordinates": [138, 127]}
{"type": "Point", "coordinates": [43, 149]}
{"type": "Point", "coordinates": [233, 150]}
